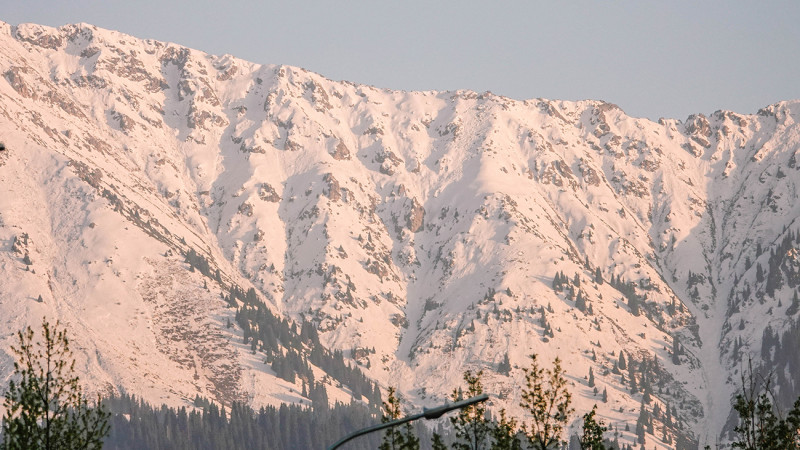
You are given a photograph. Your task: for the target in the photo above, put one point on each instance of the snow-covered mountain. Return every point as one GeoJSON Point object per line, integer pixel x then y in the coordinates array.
{"type": "Point", "coordinates": [421, 233]}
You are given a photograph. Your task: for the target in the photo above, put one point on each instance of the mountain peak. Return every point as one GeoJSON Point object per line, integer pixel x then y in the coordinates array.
{"type": "Point", "coordinates": [165, 198]}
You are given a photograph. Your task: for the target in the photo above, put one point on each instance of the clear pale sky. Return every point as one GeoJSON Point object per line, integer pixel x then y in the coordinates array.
{"type": "Point", "coordinates": [653, 59]}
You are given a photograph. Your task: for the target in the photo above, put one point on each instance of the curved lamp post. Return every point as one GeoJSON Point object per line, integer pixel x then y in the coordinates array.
{"type": "Point", "coordinates": [427, 413]}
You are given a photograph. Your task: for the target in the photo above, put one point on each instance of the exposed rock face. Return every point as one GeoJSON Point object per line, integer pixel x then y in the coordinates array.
{"type": "Point", "coordinates": [416, 217]}
{"type": "Point", "coordinates": [432, 238]}
{"type": "Point", "coordinates": [332, 191]}
{"type": "Point", "coordinates": [341, 152]}
{"type": "Point", "coordinates": [13, 75]}
{"type": "Point", "coordinates": [267, 193]}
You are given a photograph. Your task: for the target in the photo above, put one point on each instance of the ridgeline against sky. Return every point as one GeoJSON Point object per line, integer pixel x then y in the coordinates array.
{"type": "Point", "coordinates": [654, 59]}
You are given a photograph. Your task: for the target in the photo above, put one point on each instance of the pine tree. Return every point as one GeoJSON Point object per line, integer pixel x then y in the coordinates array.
{"type": "Point", "coordinates": [598, 276]}
{"type": "Point", "coordinates": [580, 302]}
{"type": "Point", "coordinates": [794, 307]}
{"type": "Point", "coordinates": [470, 425]}
{"type": "Point", "coordinates": [633, 303]}
{"type": "Point", "coordinates": [504, 434]}
{"type": "Point", "coordinates": [592, 437]}
{"type": "Point", "coordinates": [774, 277]}
{"type": "Point", "coordinates": [591, 378]}
{"type": "Point", "coordinates": [632, 377]}
{"type": "Point", "coordinates": [676, 350]}
{"type": "Point", "coordinates": [557, 282]}
{"type": "Point", "coordinates": [546, 399]}
{"type": "Point", "coordinates": [394, 438]}
{"type": "Point", "coordinates": [45, 405]}
{"type": "Point", "coordinates": [437, 443]}
{"type": "Point", "coordinates": [505, 365]}
{"type": "Point", "coordinates": [634, 386]}
{"type": "Point", "coordinates": [761, 425]}
{"type": "Point", "coordinates": [646, 397]}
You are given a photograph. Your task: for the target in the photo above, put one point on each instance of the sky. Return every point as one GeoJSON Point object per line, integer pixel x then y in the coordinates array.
{"type": "Point", "coordinates": [653, 59]}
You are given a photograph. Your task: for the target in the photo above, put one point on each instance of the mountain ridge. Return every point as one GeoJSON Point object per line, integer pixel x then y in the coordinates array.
{"type": "Point", "coordinates": [398, 223]}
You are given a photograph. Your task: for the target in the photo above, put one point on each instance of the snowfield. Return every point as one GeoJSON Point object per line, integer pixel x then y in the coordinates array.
{"type": "Point", "coordinates": [420, 232]}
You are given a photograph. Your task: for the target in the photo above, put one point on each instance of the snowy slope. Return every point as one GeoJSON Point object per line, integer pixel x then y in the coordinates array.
{"type": "Point", "coordinates": [420, 232]}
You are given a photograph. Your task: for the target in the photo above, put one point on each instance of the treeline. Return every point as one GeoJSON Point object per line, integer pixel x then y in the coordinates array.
{"type": "Point", "coordinates": [780, 353]}
{"type": "Point", "coordinates": [780, 358]}
{"type": "Point", "coordinates": [548, 412]}
{"type": "Point", "coordinates": [546, 401]}
{"type": "Point", "coordinates": [779, 272]}
{"type": "Point", "coordinates": [289, 352]}
{"type": "Point", "coordinates": [137, 425]}
{"type": "Point", "coordinates": [266, 333]}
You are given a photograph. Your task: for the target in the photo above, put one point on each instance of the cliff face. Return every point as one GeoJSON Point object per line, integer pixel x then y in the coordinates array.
{"type": "Point", "coordinates": [419, 232]}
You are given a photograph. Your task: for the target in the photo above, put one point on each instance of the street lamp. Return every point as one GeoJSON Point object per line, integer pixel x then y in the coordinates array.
{"type": "Point", "coordinates": [427, 413]}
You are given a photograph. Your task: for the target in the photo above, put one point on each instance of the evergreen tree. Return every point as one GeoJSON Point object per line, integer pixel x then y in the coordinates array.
{"type": "Point", "coordinates": [580, 302]}
{"type": "Point", "coordinates": [760, 423]}
{"type": "Point", "coordinates": [592, 438]}
{"type": "Point", "coordinates": [45, 405]}
{"type": "Point", "coordinates": [676, 350]}
{"type": "Point", "coordinates": [591, 377]}
{"type": "Point", "coordinates": [546, 399]}
{"type": "Point", "coordinates": [634, 386]}
{"type": "Point", "coordinates": [470, 425]}
{"type": "Point", "coordinates": [394, 438]}
{"type": "Point", "coordinates": [136, 425]}
{"type": "Point", "coordinates": [437, 443]}
{"type": "Point", "coordinates": [505, 365]}
{"type": "Point", "coordinates": [598, 276]}
{"type": "Point", "coordinates": [633, 304]}
{"type": "Point", "coordinates": [504, 434]}
{"type": "Point", "coordinates": [641, 424]}
{"type": "Point", "coordinates": [794, 307]}
{"type": "Point", "coordinates": [646, 397]}
{"type": "Point", "coordinates": [557, 282]}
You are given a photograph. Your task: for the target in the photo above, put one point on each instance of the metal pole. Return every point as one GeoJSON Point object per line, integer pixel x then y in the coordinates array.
{"type": "Point", "coordinates": [427, 413]}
